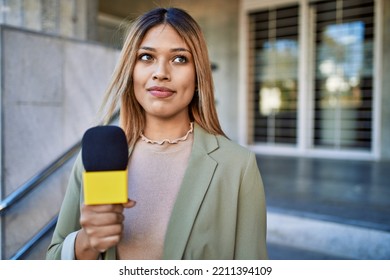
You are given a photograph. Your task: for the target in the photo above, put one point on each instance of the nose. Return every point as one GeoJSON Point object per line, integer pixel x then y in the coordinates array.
{"type": "Point", "coordinates": [161, 72]}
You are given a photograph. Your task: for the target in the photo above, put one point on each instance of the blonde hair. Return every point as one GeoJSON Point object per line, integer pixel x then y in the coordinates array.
{"type": "Point", "coordinates": [121, 90]}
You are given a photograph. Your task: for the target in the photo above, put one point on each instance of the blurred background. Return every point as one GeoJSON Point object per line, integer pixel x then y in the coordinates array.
{"type": "Point", "coordinates": [304, 84]}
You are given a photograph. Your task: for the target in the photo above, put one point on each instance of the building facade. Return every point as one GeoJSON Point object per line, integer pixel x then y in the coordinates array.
{"type": "Point", "coordinates": [296, 77]}
{"type": "Point", "coordinates": [313, 78]}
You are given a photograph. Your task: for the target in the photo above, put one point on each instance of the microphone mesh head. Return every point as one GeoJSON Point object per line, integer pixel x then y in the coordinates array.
{"type": "Point", "coordinates": [104, 148]}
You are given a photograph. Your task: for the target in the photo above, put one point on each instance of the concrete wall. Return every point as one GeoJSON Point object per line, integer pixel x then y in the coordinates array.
{"type": "Point", "coordinates": [385, 102]}
{"type": "Point", "coordinates": [219, 22]}
{"type": "Point", "coordinates": [51, 91]}
{"type": "Point", "coordinates": [70, 18]}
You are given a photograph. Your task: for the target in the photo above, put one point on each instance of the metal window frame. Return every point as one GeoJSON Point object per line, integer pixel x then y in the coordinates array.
{"type": "Point", "coordinates": [304, 145]}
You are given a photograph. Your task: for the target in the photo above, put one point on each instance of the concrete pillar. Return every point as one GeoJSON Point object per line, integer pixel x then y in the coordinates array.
{"type": "Point", "coordinates": [67, 18]}
{"type": "Point", "coordinates": [2, 12]}
{"type": "Point", "coordinates": [13, 15]}
{"type": "Point", "coordinates": [81, 19]}
{"type": "Point", "coordinates": [50, 16]}
{"type": "Point", "coordinates": [92, 15]}
{"type": "Point", "coordinates": [33, 14]}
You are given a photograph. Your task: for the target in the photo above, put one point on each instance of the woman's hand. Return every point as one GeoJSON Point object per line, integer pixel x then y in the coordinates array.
{"type": "Point", "coordinates": [102, 227]}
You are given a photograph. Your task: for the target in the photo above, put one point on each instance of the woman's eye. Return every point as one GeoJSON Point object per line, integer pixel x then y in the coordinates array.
{"type": "Point", "coordinates": [180, 59]}
{"type": "Point", "coordinates": [145, 57]}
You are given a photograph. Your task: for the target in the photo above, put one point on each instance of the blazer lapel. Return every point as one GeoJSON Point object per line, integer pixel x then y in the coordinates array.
{"type": "Point", "coordinates": [195, 184]}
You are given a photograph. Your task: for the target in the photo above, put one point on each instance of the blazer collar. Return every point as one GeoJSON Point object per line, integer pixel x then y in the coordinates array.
{"type": "Point", "coordinates": [195, 184]}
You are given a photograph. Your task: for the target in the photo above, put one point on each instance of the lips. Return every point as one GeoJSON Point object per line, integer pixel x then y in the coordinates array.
{"type": "Point", "coordinates": [160, 92]}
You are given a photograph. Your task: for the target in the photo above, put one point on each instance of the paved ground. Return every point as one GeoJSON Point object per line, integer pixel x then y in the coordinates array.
{"type": "Point", "coordinates": [278, 252]}
{"type": "Point", "coordinates": [342, 191]}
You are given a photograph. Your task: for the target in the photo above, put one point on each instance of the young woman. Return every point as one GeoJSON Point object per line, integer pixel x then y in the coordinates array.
{"type": "Point", "coordinates": [194, 193]}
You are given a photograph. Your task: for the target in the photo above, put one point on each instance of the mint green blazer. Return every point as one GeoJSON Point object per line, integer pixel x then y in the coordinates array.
{"type": "Point", "coordinates": [219, 213]}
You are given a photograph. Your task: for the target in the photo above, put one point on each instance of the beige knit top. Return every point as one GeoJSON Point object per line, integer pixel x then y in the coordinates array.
{"type": "Point", "coordinates": [156, 170]}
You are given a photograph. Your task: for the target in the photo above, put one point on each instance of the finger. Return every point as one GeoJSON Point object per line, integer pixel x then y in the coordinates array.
{"type": "Point", "coordinates": [107, 219]}
{"type": "Point", "coordinates": [101, 219]}
{"type": "Point", "coordinates": [103, 244]}
{"type": "Point", "coordinates": [101, 232]}
{"type": "Point", "coordinates": [129, 204]}
{"type": "Point", "coordinates": [102, 208]}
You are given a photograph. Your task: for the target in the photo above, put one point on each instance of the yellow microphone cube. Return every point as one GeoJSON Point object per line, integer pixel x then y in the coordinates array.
{"type": "Point", "coordinates": [105, 187]}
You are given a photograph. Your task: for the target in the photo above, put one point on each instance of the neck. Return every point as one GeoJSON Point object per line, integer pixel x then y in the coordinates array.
{"type": "Point", "coordinates": [160, 129]}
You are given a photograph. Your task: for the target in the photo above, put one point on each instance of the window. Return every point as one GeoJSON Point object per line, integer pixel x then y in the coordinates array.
{"type": "Point", "coordinates": [274, 64]}
{"type": "Point", "coordinates": [343, 83]}
{"type": "Point", "coordinates": [311, 76]}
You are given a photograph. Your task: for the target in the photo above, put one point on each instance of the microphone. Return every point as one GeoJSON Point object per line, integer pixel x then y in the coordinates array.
{"type": "Point", "coordinates": [105, 157]}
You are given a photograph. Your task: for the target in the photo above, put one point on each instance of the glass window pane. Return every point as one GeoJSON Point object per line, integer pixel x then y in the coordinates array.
{"type": "Point", "coordinates": [274, 62]}
{"type": "Point", "coordinates": [344, 69]}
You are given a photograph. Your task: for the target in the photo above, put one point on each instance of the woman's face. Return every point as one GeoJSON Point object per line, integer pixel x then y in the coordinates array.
{"type": "Point", "coordinates": [164, 75]}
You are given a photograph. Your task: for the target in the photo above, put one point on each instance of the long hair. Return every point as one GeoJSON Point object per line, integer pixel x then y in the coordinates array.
{"type": "Point", "coordinates": [121, 89]}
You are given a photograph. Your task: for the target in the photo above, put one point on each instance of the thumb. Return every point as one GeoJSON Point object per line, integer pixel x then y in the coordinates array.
{"type": "Point", "coordinates": [129, 204]}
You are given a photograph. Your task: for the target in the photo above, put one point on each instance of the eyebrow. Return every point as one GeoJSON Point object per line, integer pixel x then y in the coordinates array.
{"type": "Point", "coordinates": [171, 50]}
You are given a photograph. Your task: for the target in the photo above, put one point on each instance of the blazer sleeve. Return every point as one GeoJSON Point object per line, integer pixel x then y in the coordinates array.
{"type": "Point", "coordinates": [251, 217]}
{"type": "Point", "coordinates": [69, 216]}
